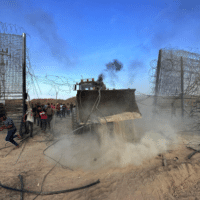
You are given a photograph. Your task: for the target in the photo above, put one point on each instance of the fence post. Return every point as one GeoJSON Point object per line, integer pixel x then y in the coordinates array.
{"type": "Point", "coordinates": [157, 80]}
{"type": "Point", "coordinates": [24, 71]}
{"type": "Point", "coordinates": [182, 87]}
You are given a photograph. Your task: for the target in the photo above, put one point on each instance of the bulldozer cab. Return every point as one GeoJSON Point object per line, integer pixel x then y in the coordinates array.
{"type": "Point", "coordinates": [89, 84]}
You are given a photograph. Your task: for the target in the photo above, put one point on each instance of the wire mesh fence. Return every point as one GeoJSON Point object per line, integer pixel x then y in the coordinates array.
{"type": "Point", "coordinates": [173, 66]}
{"type": "Point", "coordinates": [175, 79]}
{"type": "Point", "coordinates": [11, 71]}
{"type": "Point", "coordinates": [11, 66]}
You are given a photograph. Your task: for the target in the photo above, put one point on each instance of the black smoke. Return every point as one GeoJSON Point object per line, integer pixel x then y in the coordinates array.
{"type": "Point", "coordinates": [114, 66]}
{"type": "Point", "coordinates": [45, 24]}
{"type": "Point", "coordinates": [100, 78]}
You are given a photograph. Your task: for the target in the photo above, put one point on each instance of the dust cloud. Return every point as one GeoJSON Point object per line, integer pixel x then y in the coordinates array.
{"type": "Point", "coordinates": [137, 141]}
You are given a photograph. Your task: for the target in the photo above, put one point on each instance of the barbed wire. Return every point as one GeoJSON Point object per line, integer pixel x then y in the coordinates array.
{"type": "Point", "coordinates": [12, 29]}
{"type": "Point", "coordinates": [32, 80]}
{"type": "Point", "coordinates": [58, 83]}
{"type": "Point", "coordinates": [169, 80]}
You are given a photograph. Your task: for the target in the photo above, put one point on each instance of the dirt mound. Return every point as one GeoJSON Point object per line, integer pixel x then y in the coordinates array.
{"type": "Point", "coordinates": [121, 117]}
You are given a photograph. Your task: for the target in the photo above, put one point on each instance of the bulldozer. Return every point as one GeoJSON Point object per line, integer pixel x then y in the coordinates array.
{"type": "Point", "coordinates": [97, 106]}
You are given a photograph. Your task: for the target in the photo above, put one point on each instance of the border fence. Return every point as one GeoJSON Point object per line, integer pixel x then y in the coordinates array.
{"type": "Point", "coordinates": [13, 75]}
{"type": "Point", "coordinates": [177, 75]}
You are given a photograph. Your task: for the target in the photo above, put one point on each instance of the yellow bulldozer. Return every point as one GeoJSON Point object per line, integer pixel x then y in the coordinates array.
{"type": "Point", "coordinates": [97, 106]}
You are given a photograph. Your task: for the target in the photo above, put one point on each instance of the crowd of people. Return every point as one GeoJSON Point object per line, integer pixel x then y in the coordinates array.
{"type": "Point", "coordinates": [39, 114]}
{"type": "Point", "coordinates": [43, 114]}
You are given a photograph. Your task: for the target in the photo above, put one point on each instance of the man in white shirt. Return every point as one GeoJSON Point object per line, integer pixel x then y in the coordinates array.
{"type": "Point", "coordinates": [29, 121]}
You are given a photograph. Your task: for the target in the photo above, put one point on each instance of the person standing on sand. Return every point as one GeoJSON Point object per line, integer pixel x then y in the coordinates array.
{"type": "Point", "coordinates": [43, 115]}
{"type": "Point", "coordinates": [63, 110]}
{"type": "Point", "coordinates": [9, 124]}
{"type": "Point", "coordinates": [49, 115]}
{"type": "Point", "coordinates": [29, 121]}
{"type": "Point", "coordinates": [58, 109]}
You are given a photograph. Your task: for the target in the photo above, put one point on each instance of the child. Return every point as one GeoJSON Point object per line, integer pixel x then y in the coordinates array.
{"type": "Point", "coordinates": [9, 124]}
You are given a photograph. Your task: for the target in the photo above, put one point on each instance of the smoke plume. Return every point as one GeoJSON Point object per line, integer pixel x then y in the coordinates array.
{"type": "Point", "coordinates": [44, 23]}
{"type": "Point", "coordinates": [136, 67]}
{"type": "Point", "coordinates": [114, 66]}
{"type": "Point", "coordinates": [100, 78]}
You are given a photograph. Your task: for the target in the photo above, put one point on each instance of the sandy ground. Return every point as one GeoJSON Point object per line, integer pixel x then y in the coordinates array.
{"type": "Point", "coordinates": [178, 180]}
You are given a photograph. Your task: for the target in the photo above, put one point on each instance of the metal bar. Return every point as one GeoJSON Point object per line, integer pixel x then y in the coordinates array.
{"type": "Point", "coordinates": [12, 92]}
{"type": "Point", "coordinates": [157, 77]}
{"type": "Point", "coordinates": [186, 71]}
{"type": "Point", "coordinates": [182, 88]}
{"type": "Point", "coordinates": [13, 97]}
{"type": "Point", "coordinates": [24, 70]}
{"type": "Point", "coordinates": [9, 34]}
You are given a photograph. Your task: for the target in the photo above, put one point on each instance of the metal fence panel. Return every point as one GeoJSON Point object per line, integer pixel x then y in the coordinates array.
{"type": "Point", "coordinates": [11, 66]}
{"type": "Point", "coordinates": [11, 75]}
{"type": "Point", "coordinates": [170, 73]}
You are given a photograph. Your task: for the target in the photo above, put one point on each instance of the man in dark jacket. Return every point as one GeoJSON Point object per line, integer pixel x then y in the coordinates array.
{"type": "Point", "coordinates": [9, 124]}
{"type": "Point", "coordinates": [42, 106]}
{"type": "Point", "coordinates": [63, 110]}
